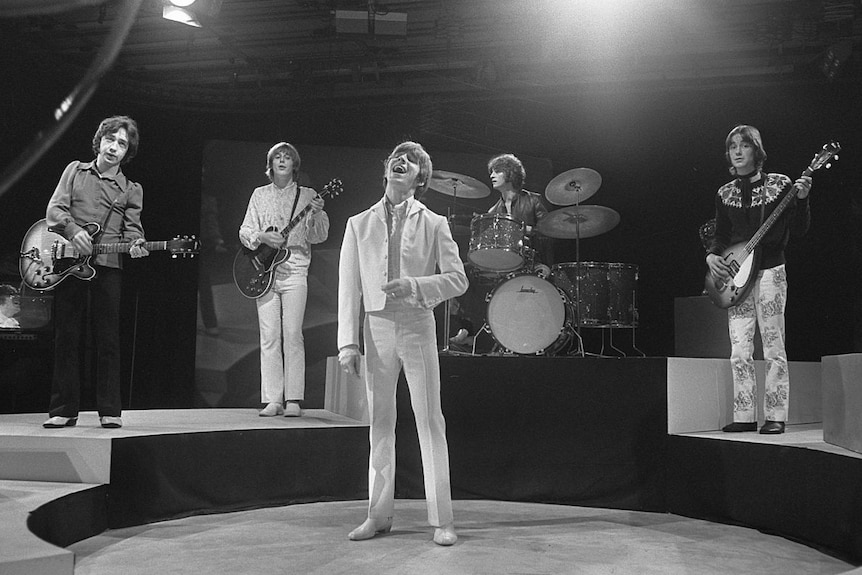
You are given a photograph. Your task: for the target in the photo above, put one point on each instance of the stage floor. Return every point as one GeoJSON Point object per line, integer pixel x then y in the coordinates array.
{"type": "Point", "coordinates": [494, 537]}
{"type": "Point", "coordinates": [562, 463]}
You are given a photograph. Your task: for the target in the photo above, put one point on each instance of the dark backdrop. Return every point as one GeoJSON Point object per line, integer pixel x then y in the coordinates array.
{"type": "Point", "coordinates": [660, 153]}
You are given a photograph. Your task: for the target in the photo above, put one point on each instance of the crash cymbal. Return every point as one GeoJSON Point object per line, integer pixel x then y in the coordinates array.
{"type": "Point", "coordinates": [578, 221]}
{"type": "Point", "coordinates": [457, 185]}
{"type": "Point", "coordinates": [573, 186]}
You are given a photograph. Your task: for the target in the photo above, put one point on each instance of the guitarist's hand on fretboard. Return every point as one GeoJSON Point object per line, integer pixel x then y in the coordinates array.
{"type": "Point", "coordinates": [317, 204]}
{"type": "Point", "coordinates": [137, 249]}
{"type": "Point", "coordinates": [803, 184]}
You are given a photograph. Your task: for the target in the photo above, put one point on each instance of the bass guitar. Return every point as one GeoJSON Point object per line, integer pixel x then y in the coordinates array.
{"type": "Point", "coordinates": [253, 270]}
{"type": "Point", "coordinates": [743, 258]}
{"type": "Point", "coordinates": [47, 258]}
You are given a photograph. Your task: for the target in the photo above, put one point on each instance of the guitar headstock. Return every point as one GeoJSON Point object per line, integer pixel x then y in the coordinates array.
{"type": "Point", "coordinates": [822, 158]}
{"type": "Point", "coordinates": [183, 246]}
{"type": "Point", "coordinates": [333, 188]}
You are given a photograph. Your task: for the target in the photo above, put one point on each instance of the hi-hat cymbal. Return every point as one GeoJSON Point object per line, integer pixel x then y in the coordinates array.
{"type": "Point", "coordinates": [578, 221]}
{"type": "Point", "coordinates": [573, 186]}
{"type": "Point", "coordinates": [457, 185]}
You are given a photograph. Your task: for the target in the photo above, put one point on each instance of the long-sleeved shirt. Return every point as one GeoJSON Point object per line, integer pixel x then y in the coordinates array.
{"type": "Point", "coordinates": [739, 213]}
{"type": "Point", "coordinates": [270, 207]}
{"type": "Point", "coordinates": [84, 196]}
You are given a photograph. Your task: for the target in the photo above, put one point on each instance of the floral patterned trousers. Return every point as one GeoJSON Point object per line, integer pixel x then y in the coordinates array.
{"type": "Point", "coordinates": [764, 307]}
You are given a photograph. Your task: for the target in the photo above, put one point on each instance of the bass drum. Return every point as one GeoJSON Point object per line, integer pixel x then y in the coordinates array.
{"type": "Point", "coordinates": [529, 315]}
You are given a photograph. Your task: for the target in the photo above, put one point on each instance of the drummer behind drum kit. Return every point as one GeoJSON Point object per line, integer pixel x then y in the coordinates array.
{"type": "Point", "coordinates": [532, 309]}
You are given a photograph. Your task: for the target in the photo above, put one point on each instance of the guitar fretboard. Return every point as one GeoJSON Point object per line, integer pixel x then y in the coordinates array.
{"type": "Point", "coordinates": [124, 247]}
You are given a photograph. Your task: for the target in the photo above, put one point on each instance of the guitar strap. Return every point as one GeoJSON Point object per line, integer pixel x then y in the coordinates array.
{"type": "Point", "coordinates": [295, 201]}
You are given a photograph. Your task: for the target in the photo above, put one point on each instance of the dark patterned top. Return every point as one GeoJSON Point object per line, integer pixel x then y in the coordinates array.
{"type": "Point", "coordinates": [741, 207]}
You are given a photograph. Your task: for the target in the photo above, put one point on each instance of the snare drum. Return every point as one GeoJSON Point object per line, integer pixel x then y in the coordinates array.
{"type": "Point", "coordinates": [496, 242]}
{"type": "Point", "coordinates": [594, 294]}
{"type": "Point", "coordinates": [529, 315]}
{"type": "Point", "coordinates": [622, 287]}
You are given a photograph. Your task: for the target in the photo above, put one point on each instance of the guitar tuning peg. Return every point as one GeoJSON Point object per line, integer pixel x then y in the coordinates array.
{"type": "Point", "coordinates": [828, 165]}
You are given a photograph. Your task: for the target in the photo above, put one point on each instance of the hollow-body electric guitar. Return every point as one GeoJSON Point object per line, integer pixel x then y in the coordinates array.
{"type": "Point", "coordinates": [253, 270]}
{"type": "Point", "coordinates": [744, 257]}
{"type": "Point", "coordinates": [47, 258]}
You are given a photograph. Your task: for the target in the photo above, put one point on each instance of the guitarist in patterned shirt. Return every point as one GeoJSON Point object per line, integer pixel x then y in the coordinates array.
{"type": "Point", "coordinates": [741, 206]}
{"type": "Point", "coordinates": [281, 309]}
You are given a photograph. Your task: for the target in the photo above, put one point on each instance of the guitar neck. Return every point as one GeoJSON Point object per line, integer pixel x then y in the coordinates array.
{"type": "Point", "coordinates": [295, 221]}
{"type": "Point", "coordinates": [124, 247]}
{"type": "Point", "coordinates": [773, 217]}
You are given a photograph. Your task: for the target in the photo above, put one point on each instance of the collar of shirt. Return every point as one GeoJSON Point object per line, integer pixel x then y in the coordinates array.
{"type": "Point", "coordinates": [405, 205]}
{"type": "Point", "coordinates": [119, 178]}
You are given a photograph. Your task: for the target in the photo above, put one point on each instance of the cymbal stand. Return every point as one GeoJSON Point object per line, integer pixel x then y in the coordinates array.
{"type": "Point", "coordinates": [580, 352]}
{"type": "Point", "coordinates": [447, 321]}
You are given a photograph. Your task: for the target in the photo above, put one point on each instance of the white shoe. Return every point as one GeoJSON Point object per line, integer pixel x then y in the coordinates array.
{"type": "Point", "coordinates": [291, 409]}
{"type": "Point", "coordinates": [59, 421]}
{"type": "Point", "coordinates": [459, 337]}
{"type": "Point", "coordinates": [445, 535]}
{"type": "Point", "coordinates": [368, 529]}
{"type": "Point", "coordinates": [271, 410]}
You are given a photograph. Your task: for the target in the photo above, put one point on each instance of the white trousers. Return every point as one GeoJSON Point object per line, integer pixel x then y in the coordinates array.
{"type": "Point", "coordinates": [764, 307]}
{"type": "Point", "coordinates": [282, 348]}
{"type": "Point", "coordinates": [394, 339]}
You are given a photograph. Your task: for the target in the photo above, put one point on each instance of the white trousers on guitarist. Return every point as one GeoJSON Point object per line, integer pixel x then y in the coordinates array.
{"type": "Point", "coordinates": [764, 307]}
{"type": "Point", "coordinates": [280, 313]}
{"type": "Point", "coordinates": [394, 339]}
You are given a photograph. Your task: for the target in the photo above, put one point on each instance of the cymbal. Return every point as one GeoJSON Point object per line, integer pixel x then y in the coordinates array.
{"type": "Point", "coordinates": [578, 221]}
{"type": "Point", "coordinates": [573, 186]}
{"type": "Point", "coordinates": [457, 185]}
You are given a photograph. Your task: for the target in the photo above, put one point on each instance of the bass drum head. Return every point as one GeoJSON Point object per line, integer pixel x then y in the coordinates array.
{"type": "Point", "coordinates": [526, 314]}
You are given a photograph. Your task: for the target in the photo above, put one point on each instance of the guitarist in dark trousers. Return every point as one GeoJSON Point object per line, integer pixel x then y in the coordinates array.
{"type": "Point", "coordinates": [95, 191]}
{"type": "Point", "coordinates": [281, 309]}
{"type": "Point", "coordinates": [741, 206]}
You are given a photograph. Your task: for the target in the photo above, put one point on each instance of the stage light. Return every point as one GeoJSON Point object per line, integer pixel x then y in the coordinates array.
{"type": "Point", "coordinates": [181, 15]}
{"type": "Point", "coordinates": [182, 3]}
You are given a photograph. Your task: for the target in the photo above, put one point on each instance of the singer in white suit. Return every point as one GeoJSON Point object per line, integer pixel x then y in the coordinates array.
{"type": "Point", "coordinates": [399, 259]}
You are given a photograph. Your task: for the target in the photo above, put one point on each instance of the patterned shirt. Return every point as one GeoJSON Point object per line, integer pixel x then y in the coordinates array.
{"type": "Point", "coordinates": [270, 207]}
{"type": "Point", "coordinates": [738, 216]}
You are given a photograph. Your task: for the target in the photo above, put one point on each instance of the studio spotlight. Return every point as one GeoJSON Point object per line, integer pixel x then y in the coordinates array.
{"type": "Point", "coordinates": [182, 3]}
{"type": "Point", "coordinates": [180, 14]}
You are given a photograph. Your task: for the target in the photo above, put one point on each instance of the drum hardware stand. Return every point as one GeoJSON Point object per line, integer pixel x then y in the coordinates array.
{"type": "Point", "coordinates": [580, 352]}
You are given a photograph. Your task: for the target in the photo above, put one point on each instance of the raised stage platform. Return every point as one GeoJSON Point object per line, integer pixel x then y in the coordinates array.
{"type": "Point", "coordinates": [575, 431]}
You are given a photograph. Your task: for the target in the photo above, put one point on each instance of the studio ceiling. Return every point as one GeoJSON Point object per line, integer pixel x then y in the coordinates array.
{"type": "Point", "coordinates": [253, 55]}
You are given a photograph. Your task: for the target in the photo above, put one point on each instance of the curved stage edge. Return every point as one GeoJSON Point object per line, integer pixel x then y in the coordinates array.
{"type": "Point", "coordinates": [573, 431]}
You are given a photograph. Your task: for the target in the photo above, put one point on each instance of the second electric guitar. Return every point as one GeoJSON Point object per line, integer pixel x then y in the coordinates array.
{"type": "Point", "coordinates": [743, 258]}
{"type": "Point", "coordinates": [253, 269]}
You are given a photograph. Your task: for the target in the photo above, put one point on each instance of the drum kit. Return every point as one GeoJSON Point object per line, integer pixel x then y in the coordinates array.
{"type": "Point", "coordinates": [531, 309]}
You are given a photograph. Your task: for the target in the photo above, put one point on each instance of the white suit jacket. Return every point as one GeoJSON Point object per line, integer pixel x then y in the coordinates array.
{"type": "Point", "coordinates": [426, 247]}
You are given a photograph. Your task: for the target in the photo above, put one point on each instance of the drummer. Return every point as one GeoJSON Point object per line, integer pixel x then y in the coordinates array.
{"type": "Point", "coordinates": [507, 177]}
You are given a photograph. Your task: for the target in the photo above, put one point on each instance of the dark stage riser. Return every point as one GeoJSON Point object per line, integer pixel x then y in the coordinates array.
{"type": "Point", "coordinates": [154, 478]}
{"type": "Point", "coordinates": [576, 431]}
{"type": "Point", "coordinates": [802, 494]}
